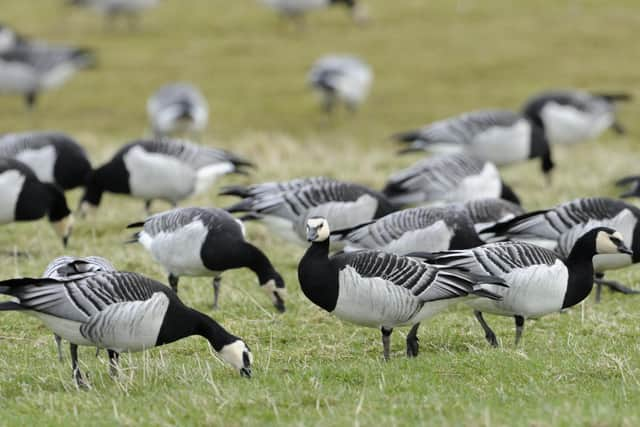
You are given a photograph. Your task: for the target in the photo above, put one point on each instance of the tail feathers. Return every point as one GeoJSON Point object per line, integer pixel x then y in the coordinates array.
{"type": "Point", "coordinates": [235, 190]}
{"type": "Point", "coordinates": [135, 238]}
{"type": "Point", "coordinates": [616, 97]}
{"type": "Point", "coordinates": [409, 136]}
{"type": "Point", "coordinates": [501, 228]}
{"type": "Point", "coordinates": [632, 179]}
{"type": "Point", "coordinates": [10, 306]}
{"type": "Point", "coordinates": [136, 224]}
{"type": "Point", "coordinates": [7, 286]}
{"type": "Point", "coordinates": [242, 206]}
{"type": "Point", "coordinates": [251, 216]}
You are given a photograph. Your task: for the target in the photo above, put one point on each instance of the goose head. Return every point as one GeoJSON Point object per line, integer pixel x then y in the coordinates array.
{"type": "Point", "coordinates": [238, 355]}
{"type": "Point", "coordinates": [317, 229]}
{"type": "Point", "coordinates": [609, 241]}
{"type": "Point", "coordinates": [274, 287]}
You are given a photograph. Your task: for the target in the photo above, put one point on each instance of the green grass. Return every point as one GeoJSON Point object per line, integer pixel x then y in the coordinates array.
{"type": "Point", "coordinates": [431, 59]}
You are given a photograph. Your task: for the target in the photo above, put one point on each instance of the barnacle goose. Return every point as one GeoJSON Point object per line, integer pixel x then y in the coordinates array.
{"type": "Point", "coordinates": [486, 212]}
{"type": "Point", "coordinates": [166, 169]}
{"type": "Point", "coordinates": [23, 197]}
{"type": "Point", "coordinates": [121, 312]}
{"type": "Point", "coordinates": [53, 156]}
{"type": "Point", "coordinates": [573, 116]}
{"type": "Point", "coordinates": [113, 8]}
{"type": "Point", "coordinates": [30, 67]}
{"type": "Point", "coordinates": [206, 242]}
{"type": "Point", "coordinates": [343, 78]}
{"type": "Point", "coordinates": [447, 178]}
{"type": "Point", "coordinates": [379, 289]}
{"type": "Point", "coordinates": [68, 267]}
{"type": "Point", "coordinates": [633, 182]}
{"type": "Point", "coordinates": [297, 8]}
{"type": "Point", "coordinates": [558, 229]}
{"type": "Point", "coordinates": [344, 204]}
{"type": "Point", "coordinates": [413, 230]}
{"type": "Point", "coordinates": [539, 281]}
{"type": "Point", "coordinates": [499, 136]}
{"type": "Point", "coordinates": [177, 107]}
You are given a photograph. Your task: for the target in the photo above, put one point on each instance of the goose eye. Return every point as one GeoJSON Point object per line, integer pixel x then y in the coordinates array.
{"type": "Point", "coordinates": [615, 241]}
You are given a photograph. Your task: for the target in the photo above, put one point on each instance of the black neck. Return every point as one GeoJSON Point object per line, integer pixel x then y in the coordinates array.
{"type": "Point", "coordinates": [217, 336]}
{"type": "Point", "coordinates": [318, 276]}
{"type": "Point", "coordinates": [258, 262]}
{"type": "Point", "coordinates": [580, 266]}
{"type": "Point", "coordinates": [540, 147]}
{"type": "Point", "coordinates": [58, 208]}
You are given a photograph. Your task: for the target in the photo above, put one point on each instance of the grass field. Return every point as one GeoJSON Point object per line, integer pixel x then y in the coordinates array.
{"type": "Point", "coordinates": [431, 59]}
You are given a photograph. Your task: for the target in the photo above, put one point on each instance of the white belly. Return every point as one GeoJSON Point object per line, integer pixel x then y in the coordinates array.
{"type": "Point", "coordinates": [42, 161]}
{"type": "Point", "coordinates": [157, 176]}
{"type": "Point", "coordinates": [502, 145]}
{"type": "Point", "coordinates": [11, 183]}
{"type": "Point", "coordinates": [567, 125]}
{"type": "Point", "coordinates": [487, 184]}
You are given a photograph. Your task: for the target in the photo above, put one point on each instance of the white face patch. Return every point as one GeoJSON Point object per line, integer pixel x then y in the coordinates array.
{"type": "Point", "coordinates": [234, 353]}
{"type": "Point", "coordinates": [271, 290]}
{"type": "Point", "coordinates": [604, 245]}
{"type": "Point", "coordinates": [64, 226]}
{"type": "Point", "coordinates": [318, 229]}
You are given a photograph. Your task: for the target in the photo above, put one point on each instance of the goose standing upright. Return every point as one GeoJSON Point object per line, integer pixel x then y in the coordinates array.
{"type": "Point", "coordinates": [206, 242]}
{"type": "Point", "coordinates": [379, 289]}
{"type": "Point", "coordinates": [67, 267]}
{"type": "Point", "coordinates": [559, 228]}
{"type": "Point", "coordinates": [447, 178]}
{"type": "Point", "coordinates": [539, 281]}
{"type": "Point", "coordinates": [30, 67]}
{"type": "Point", "coordinates": [177, 107]}
{"type": "Point", "coordinates": [574, 116]}
{"type": "Point", "coordinates": [24, 198]}
{"type": "Point", "coordinates": [53, 156]}
{"type": "Point", "coordinates": [343, 78]}
{"type": "Point", "coordinates": [121, 312]}
{"type": "Point", "coordinates": [344, 204]}
{"type": "Point", "coordinates": [498, 136]}
{"type": "Point", "coordinates": [166, 169]}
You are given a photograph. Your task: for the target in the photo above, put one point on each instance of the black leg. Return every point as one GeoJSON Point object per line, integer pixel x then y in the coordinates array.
{"type": "Point", "coordinates": [488, 333]}
{"type": "Point", "coordinates": [147, 206]}
{"type": "Point", "coordinates": [114, 357]}
{"type": "Point", "coordinates": [77, 375]}
{"type": "Point", "coordinates": [173, 282]}
{"type": "Point", "coordinates": [618, 128]}
{"type": "Point", "coordinates": [412, 341]}
{"type": "Point", "coordinates": [386, 342]}
{"type": "Point", "coordinates": [519, 327]}
{"type": "Point", "coordinates": [59, 346]}
{"type": "Point", "coordinates": [30, 99]}
{"type": "Point", "coordinates": [216, 291]}
{"type": "Point", "coordinates": [614, 286]}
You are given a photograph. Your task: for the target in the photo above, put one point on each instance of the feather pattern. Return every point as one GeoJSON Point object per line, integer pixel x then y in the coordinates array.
{"type": "Point", "coordinates": [168, 222]}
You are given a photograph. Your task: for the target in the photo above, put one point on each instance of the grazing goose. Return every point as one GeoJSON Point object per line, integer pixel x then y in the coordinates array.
{"type": "Point", "coordinates": [177, 107]}
{"type": "Point", "coordinates": [574, 116]}
{"type": "Point", "coordinates": [486, 212]}
{"type": "Point", "coordinates": [23, 197]}
{"type": "Point", "coordinates": [206, 242]}
{"type": "Point", "coordinates": [344, 205]}
{"type": "Point", "coordinates": [113, 8]}
{"type": "Point", "coordinates": [297, 8]}
{"type": "Point", "coordinates": [165, 169]}
{"type": "Point", "coordinates": [341, 78]}
{"type": "Point", "coordinates": [121, 312]}
{"type": "Point", "coordinates": [413, 230]}
{"type": "Point", "coordinates": [30, 67]}
{"type": "Point", "coordinates": [274, 187]}
{"type": "Point", "coordinates": [558, 229]}
{"type": "Point", "coordinates": [379, 289]}
{"type": "Point", "coordinates": [53, 156]}
{"type": "Point", "coordinates": [447, 178]}
{"type": "Point", "coordinates": [67, 267]}
{"type": "Point", "coordinates": [497, 136]}
{"type": "Point", "coordinates": [539, 281]}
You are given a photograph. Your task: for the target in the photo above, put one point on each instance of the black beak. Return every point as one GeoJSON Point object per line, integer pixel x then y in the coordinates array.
{"type": "Point", "coordinates": [623, 249]}
{"type": "Point", "coordinates": [245, 372]}
{"type": "Point", "coordinates": [279, 304]}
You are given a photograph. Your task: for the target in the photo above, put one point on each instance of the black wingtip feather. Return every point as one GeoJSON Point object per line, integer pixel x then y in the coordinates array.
{"type": "Point", "coordinates": [241, 206]}
{"type": "Point", "coordinates": [616, 97]}
{"type": "Point", "coordinates": [344, 231]}
{"type": "Point", "coordinates": [234, 190]}
{"type": "Point", "coordinates": [136, 224]}
{"type": "Point", "coordinates": [405, 137]}
{"type": "Point", "coordinates": [503, 227]}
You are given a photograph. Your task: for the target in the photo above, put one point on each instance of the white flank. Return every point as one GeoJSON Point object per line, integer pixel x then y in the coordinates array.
{"type": "Point", "coordinates": [67, 329]}
{"type": "Point", "coordinates": [533, 291]}
{"type": "Point", "coordinates": [42, 161]}
{"type": "Point", "coordinates": [17, 77]}
{"type": "Point", "coordinates": [433, 238]}
{"type": "Point", "coordinates": [341, 215]}
{"type": "Point", "coordinates": [158, 176]}
{"type": "Point", "coordinates": [10, 186]}
{"type": "Point", "coordinates": [207, 175]}
{"type": "Point", "coordinates": [179, 250]}
{"type": "Point", "coordinates": [503, 145]}
{"type": "Point", "coordinates": [564, 124]}
{"type": "Point", "coordinates": [284, 228]}
{"type": "Point", "coordinates": [487, 184]}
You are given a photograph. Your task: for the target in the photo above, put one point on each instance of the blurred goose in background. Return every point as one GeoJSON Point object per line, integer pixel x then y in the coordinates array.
{"type": "Point", "coordinates": [379, 289]}
{"type": "Point", "coordinates": [206, 242]}
{"type": "Point", "coordinates": [341, 78]}
{"type": "Point", "coordinates": [486, 212]}
{"type": "Point", "coordinates": [68, 267]}
{"type": "Point", "coordinates": [560, 227]}
{"type": "Point", "coordinates": [177, 107]}
{"type": "Point", "coordinates": [114, 8]}
{"type": "Point", "coordinates": [30, 67]}
{"type": "Point", "coordinates": [430, 229]}
{"type": "Point", "coordinates": [574, 116]}
{"type": "Point", "coordinates": [23, 197]}
{"type": "Point", "coordinates": [53, 156]}
{"type": "Point", "coordinates": [344, 204]}
{"type": "Point", "coordinates": [633, 182]}
{"type": "Point", "coordinates": [447, 178]}
{"type": "Point", "coordinates": [166, 169]}
{"type": "Point", "coordinates": [498, 136]}
{"type": "Point", "coordinates": [539, 281]}
{"type": "Point", "coordinates": [296, 9]}
{"type": "Point", "coordinates": [121, 312]}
